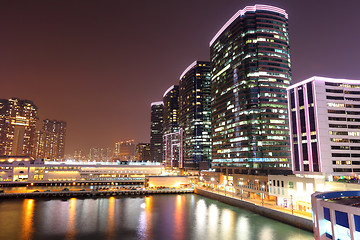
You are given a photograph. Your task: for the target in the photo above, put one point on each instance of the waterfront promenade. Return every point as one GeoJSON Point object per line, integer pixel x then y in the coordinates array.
{"type": "Point", "coordinates": [269, 209]}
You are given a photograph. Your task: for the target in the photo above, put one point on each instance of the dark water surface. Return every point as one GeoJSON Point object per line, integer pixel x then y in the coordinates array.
{"type": "Point", "coordinates": [178, 217]}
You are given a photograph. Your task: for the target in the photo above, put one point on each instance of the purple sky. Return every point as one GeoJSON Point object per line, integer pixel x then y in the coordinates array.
{"type": "Point", "coordinates": [99, 64]}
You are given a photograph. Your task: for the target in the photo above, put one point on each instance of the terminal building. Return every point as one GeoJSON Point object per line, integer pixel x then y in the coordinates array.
{"type": "Point", "coordinates": [27, 169]}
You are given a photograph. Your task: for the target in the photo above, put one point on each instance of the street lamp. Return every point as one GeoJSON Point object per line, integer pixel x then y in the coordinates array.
{"type": "Point", "coordinates": [212, 181]}
{"type": "Point", "coordinates": [263, 195]}
{"type": "Point", "coordinates": [291, 192]}
{"type": "Point", "coordinates": [241, 190]}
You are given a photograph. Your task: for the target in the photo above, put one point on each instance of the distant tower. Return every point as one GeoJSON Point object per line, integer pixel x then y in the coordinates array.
{"type": "Point", "coordinates": [17, 126]}
{"type": "Point", "coordinates": [125, 150]}
{"type": "Point", "coordinates": [156, 134]}
{"type": "Point", "coordinates": [250, 71]}
{"type": "Point", "coordinates": [50, 142]}
{"type": "Point", "coordinates": [194, 112]}
{"type": "Point", "coordinates": [142, 152]}
{"type": "Point", "coordinates": [172, 134]}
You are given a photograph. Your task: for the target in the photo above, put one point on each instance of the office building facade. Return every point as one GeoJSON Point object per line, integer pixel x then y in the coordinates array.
{"type": "Point", "coordinates": [325, 127]}
{"type": "Point", "coordinates": [172, 134]}
{"type": "Point", "coordinates": [125, 150]}
{"type": "Point", "coordinates": [18, 119]}
{"type": "Point", "coordinates": [142, 152]}
{"type": "Point", "coordinates": [250, 69]}
{"type": "Point", "coordinates": [156, 132]}
{"type": "Point", "coordinates": [194, 115]}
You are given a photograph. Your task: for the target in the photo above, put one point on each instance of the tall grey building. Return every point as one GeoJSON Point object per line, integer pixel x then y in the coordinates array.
{"type": "Point", "coordinates": [156, 132]}
{"type": "Point", "coordinates": [250, 69]}
{"type": "Point", "coordinates": [194, 115]}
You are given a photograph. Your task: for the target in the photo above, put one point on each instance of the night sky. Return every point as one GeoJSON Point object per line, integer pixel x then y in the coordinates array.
{"type": "Point", "coordinates": [99, 64]}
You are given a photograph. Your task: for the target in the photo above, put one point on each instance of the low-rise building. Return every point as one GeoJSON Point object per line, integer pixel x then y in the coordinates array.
{"type": "Point", "coordinates": [27, 169]}
{"type": "Point", "coordinates": [336, 215]}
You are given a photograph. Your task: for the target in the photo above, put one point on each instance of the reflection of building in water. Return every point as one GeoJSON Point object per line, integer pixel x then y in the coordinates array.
{"type": "Point", "coordinates": [18, 168]}
{"type": "Point", "coordinates": [28, 214]}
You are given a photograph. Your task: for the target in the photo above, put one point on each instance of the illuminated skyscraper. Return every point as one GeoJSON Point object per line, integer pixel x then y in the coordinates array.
{"type": "Point", "coordinates": [194, 115]}
{"type": "Point", "coordinates": [17, 126]}
{"type": "Point", "coordinates": [156, 134]}
{"type": "Point", "coordinates": [100, 154]}
{"type": "Point", "coordinates": [125, 150]}
{"type": "Point", "coordinates": [53, 140]}
{"type": "Point", "coordinates": [142, 152]}
{"type": "Point", "coordinates": [250, 69]}
{"type": "Point", "coordinates": [172, 134]}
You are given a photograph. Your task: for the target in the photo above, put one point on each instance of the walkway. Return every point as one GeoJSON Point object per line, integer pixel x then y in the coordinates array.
{"type": "Point", "coordinates": [265, 203]}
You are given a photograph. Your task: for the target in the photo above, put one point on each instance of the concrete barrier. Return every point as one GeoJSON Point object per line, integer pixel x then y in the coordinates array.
{"type": "Point", "coordinates": [284, 217]}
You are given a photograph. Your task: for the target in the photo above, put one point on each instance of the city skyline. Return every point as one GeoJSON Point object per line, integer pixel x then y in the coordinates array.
{"type": "Point", "coordinates": [84, 63]}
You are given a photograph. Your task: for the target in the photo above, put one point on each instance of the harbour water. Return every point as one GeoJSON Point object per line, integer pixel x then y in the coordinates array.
{"type": "Point", "coordinates": [155, 217]}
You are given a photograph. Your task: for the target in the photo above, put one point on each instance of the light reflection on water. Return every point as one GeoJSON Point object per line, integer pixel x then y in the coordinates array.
{"type": "Point", "coordinates": [178, 217]}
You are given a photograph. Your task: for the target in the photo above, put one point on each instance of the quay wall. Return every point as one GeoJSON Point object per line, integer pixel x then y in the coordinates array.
{"type": "Point", "coordinates": [290, 219]}
{"type": "Point", "coordinates": [89, 194]}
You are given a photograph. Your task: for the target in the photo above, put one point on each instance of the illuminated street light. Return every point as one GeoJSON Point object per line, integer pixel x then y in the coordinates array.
{"type": "Point", "coordinates": [263, 195]}
{"type": "Point", "coordinates": [291, 192]}
{"type": "Point", "coordinates": [241, 190]}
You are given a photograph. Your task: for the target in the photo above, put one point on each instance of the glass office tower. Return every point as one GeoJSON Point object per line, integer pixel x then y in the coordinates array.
{"type": "Point", "coordinates": [194, 115]}
{"type": "Point", "coordinates": [156, 134]}
{"type": "Point", "coordinates": [250, 69]}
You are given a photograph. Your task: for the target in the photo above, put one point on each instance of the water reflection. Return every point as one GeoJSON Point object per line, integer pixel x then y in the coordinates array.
{"type": "Point", "coordinates": [28, 213]}
{"type": "Point", "coordinates": [213, 221]}
{"type": "Point", "coordinates": [200, 218]}
{"type": "Point", "coordinates": [71, 228]}
{"type": "Point", "coordinates": [111, 218]}
{"type": "Point", "coordinates": [145, 220]}
{"type": "Point", "coordinates": [179, 217]}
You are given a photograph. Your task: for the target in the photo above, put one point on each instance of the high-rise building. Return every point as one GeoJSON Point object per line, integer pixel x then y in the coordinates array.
{"type": "Point", "coordinates": [325, 127]}
{"type": "Point", "coordinates": [125, 150]}
{"type": "Point", "coordinates": [17, 126]}
{"type": "Point", "coordinates": [250, 69]}
{"type": "Point", "coordinates": [100, 154]}
{"type": "Point", "coordinates": [194, 115]}
{"type": "Point", "coordinates": [156, 134]}
{"type": "Point", "coordinates": [50, 141]}
{"type": "Point", "coordinates": [142, 152]}
{"type": "Point", "coordinates": [172, 134]}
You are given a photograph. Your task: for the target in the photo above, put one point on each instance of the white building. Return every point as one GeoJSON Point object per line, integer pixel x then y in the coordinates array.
{"type": "Point", "coordinates": [325, 127]}
{"type": "Point", "coordinates": [336, 215]}
{"type": "Point", "coordinates": [324, 115]}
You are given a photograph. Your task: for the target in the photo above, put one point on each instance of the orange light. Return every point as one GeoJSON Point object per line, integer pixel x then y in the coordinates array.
{"type": "Point", "coordinates": [31, 184]}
